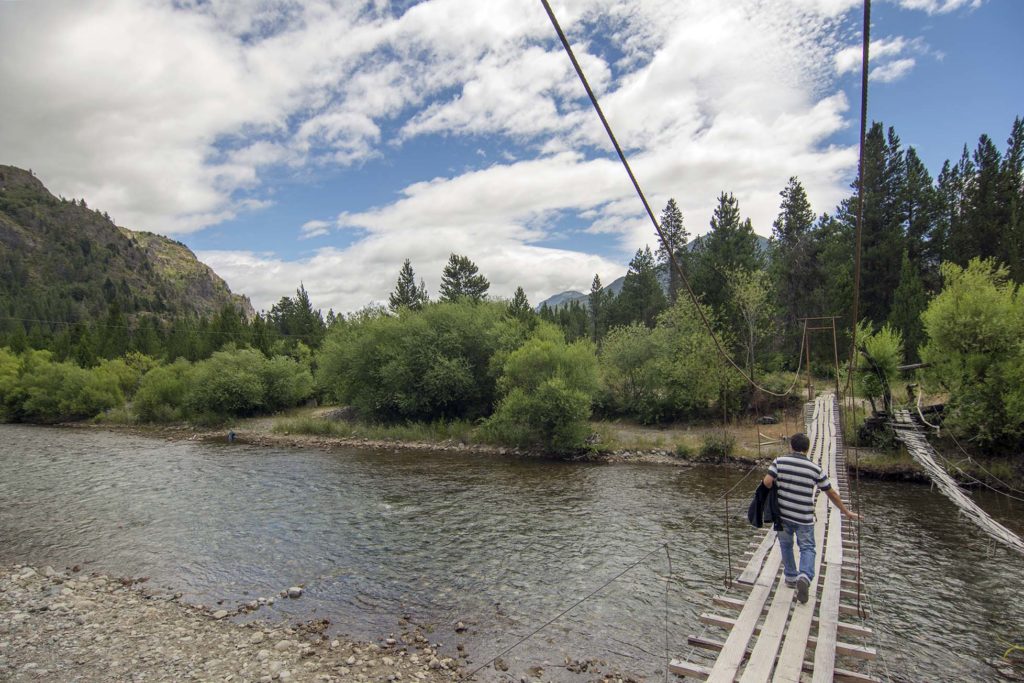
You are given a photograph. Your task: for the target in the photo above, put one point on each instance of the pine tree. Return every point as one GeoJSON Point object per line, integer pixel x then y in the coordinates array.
{"type": "Point", "coordinates": [795, 268]}
{"type": "Point", "coordinates": [1011, 194]}
{"type": "Point", "coordinates": [920, 208]}
{"type": "Point", "coordinates": [954, 182]}
{"type": "Point", "coordinates": [520, 307]}
{"type": "Point", "coordinates": [909, 301]}
{"type": "Point", "coordinates": [598, 301]}
{"type": "Point", "coordinates": [296, 320]}
{"type": "Point", "coordinates": [796, 218]}
{"type": "Point", "coordinates": [460, 279]}
{"type": "Point", "coordinates": [884, 218]}
{"type": "Point", "coordinates": [113, 333]}
{"type": "Point", "coordinates": [731, 245]}
{"type": "Point", "coordinates": [676, 236]}
{"type": "Point", "coordinates": [407, 293]}
{"type": "Point", "coordinates": [641, 298]}
{"type": "Point", "coordinates": [985, 219]}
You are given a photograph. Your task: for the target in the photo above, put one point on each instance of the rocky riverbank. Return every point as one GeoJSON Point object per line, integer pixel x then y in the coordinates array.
{"type": "Point", "coordinates": [70, 626]}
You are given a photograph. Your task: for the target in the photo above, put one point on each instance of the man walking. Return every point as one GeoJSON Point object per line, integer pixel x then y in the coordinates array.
{"type": "Point", "coordinates": [797, 477]}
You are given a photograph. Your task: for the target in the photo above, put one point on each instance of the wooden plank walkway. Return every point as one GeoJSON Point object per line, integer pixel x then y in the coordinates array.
{"type": "Point", "coordinates": [774, 637]}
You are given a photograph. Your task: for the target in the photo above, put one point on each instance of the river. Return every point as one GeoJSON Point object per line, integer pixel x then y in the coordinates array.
{"type": "Point", "coordinates": [502, 545]}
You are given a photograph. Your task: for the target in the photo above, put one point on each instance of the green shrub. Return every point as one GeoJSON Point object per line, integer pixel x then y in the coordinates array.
{"type": "Point", "coordinates": [437, 363]}
{"type": "Point", "coordinates": [55, 392]}
{"type": "Point", "coordinates": [669, 372]}
{"type": "Point", "coordinates": [548, 387]}
{"type": "Point", "coordinates": [684, 450]}
{"type": "Point", "coordinates": [974, 328]}
{"type": "Point", "coordinates": [9, 365]}
{"type": "Point", "coordinates": [885, 347]}
{"type": "Point", "coordinates": [162, 391]}
{"type": "Point", "coordinates": [717, 446]}
{"type": "Point", "coordinates": [228, 384]}
{"type": "Point", "coordinates": [127, 371]}
{"type": "Point", "coordinates": [553, 417]}
{"type": "Point", "coordinates": [286, 383]}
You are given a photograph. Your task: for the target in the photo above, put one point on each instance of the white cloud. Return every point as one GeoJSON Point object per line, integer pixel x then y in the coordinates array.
{"type": "Point", "coordinates": [315, 229]}
{"type": "Point", "coordinates": [849, 58]}
{"type": "Point", "coordinates": [939, 6]}
{"type": "Point", "coordinates": [893, 71]}
{"type": "Point", "coordinates": [168, 115]}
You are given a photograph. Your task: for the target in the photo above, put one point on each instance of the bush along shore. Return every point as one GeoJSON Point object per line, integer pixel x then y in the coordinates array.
{"type": "Point", "coordinates": [73, 626]}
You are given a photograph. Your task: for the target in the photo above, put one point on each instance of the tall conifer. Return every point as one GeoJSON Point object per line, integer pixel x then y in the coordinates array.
{"type": "Point", "coordinates": [676, 236]}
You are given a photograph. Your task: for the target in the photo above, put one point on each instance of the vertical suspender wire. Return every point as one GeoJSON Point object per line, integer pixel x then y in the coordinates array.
{"type": "Point", "coordinates": [856, 275]}
{"type": "Point", "coordinates": [860, 189]}
{"type": "Point", "coordinates": [727, 581]}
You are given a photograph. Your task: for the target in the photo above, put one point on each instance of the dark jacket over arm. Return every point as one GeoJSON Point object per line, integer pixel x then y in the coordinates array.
{"type": "Point", "coordinates": [765, 508]}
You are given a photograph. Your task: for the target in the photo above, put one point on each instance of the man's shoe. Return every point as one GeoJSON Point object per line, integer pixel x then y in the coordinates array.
{"type": "Point", "coordinates": [790, 583]}
{"type": "Point", "coordinates": [802, 586]}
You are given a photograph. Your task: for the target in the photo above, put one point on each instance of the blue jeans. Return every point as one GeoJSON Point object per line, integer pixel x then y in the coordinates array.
{"type": "Point", "coordinates": [805, 540]}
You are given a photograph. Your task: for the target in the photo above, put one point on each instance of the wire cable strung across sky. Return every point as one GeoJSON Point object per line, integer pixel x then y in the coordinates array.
{"type": "Point", "coordinates": [650, 213]}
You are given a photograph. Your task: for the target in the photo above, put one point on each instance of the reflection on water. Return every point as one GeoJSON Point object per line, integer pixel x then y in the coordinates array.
{"type": "Point", "coordinates": [502, 545]}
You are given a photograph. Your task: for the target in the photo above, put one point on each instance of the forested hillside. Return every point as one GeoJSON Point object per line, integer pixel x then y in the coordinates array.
{"type": "Point", "coordinates": [62, 263]}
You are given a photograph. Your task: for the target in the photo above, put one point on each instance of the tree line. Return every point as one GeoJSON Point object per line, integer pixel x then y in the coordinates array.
{"type": "Point", "coordinates": [644, 353]}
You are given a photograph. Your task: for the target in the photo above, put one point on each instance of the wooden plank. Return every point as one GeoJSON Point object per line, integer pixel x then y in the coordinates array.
{"type": "Point", "coordinates": [717, 620]}
{"type": "Point", "coordinates": [845, 676]}
{"type": "Point", "coordinates": [753, 567]}
{"type": "Point", "coordinates": [828, 626]}
{"type": "Point", "coordinates": [843, 627]}
{"type": "Point", "coordinates": [762, 659]}
{"type": "Point", "coordinates": [684, 668]}
{"type": "Point", "coordinates": [725, 601]}
{"type": "Point", "coordinates": [728, 662]}
{"type": "Point", "coordinates": [851, 610]}
{"type": "Point", "coordinates": [705, 643]}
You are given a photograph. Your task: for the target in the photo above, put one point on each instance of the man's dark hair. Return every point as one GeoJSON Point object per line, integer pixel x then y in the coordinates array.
{"type": "Point", "coordinates": [799, 442]}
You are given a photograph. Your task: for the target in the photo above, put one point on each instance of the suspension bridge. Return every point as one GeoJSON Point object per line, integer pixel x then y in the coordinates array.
{"type": "Point", "coordinates": [771, 636]}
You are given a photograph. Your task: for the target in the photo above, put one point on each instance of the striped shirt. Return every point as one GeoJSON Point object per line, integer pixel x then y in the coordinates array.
{"type": "Point", "coordinates": [795, 477]}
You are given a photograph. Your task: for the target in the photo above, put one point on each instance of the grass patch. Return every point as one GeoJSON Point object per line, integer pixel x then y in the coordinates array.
{"type": "Point", "coordinates": [430, 432]}
{"type": "Point", "coordinates": [118, 416]}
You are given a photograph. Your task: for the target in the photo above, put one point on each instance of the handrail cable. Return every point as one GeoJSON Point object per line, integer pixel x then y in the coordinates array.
{"type": "Point", "coordinates": [970, 459]}
{"type": "Point", "coordinates": [650, 212]}
{"type": "Point", "coordinates": [663, 546]}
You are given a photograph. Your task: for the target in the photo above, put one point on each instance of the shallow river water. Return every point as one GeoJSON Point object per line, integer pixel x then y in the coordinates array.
{"type": "Point", "coordinates": [502, 545]}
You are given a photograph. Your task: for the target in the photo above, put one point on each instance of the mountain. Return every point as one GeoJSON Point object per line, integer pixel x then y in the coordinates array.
{"type": "Point", "coordinates": [566, 298]}
{"type": "Point", "coordinates": [62, 262]}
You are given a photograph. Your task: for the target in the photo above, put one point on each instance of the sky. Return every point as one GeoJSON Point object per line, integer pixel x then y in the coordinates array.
{"type": "Point", "coordinates": [322, 143]}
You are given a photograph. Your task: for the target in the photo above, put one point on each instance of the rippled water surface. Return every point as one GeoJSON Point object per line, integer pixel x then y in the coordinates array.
{"type": "Point", "coordinates": [500, 544]}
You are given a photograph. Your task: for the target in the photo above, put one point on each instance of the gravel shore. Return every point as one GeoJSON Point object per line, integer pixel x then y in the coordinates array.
{"type": "Point", "coordinates": [70, 626]}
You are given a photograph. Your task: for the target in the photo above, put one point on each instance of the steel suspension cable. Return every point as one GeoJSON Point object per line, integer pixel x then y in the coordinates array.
{"type": "Point", "coordinates": [647, 207]}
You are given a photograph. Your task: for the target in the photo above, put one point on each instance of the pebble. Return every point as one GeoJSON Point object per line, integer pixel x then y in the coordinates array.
{"type": "Point", "coordinates": [295, 592]}
{"type": "Point", "coordinates": [97, 628]}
